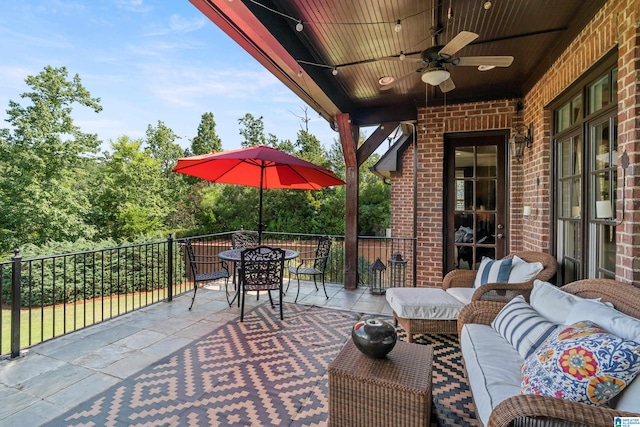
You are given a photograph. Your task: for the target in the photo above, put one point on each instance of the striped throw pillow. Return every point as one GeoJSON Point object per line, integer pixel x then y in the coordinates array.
{"type": "Point", "coordinates": [492, 271]}
{"type": "Point", "coordinates": [522, 326]}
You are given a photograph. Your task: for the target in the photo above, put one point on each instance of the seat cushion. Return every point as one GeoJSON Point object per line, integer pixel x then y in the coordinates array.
{"type": "Point", "coordinates": [463, 295]}
{"type": "Point", "coordinates": [423, 303]}
{"type": "Point", "coordinates": [493, 367]}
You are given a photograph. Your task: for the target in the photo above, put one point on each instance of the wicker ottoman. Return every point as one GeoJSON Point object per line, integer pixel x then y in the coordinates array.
{"type": "Point", "coordinates": [424, 310]}
{"type": "Point", "coordinates": [390, 392]}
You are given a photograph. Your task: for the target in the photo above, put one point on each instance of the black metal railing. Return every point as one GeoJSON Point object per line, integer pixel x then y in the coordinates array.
{"type": "Point", "coordinates": [50, 296]}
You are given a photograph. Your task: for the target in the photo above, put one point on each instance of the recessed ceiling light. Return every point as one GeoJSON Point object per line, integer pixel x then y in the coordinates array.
{"type": "Point", "coordinates": [386, 80]}
{"type": "Point", "coordinates": [486, 67]}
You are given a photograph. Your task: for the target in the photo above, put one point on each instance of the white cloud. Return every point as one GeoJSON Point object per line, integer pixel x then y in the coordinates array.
{"type": "Point", "coordinates": [181, 24]}
{"type": "Point", "coordinates": [136, 6]}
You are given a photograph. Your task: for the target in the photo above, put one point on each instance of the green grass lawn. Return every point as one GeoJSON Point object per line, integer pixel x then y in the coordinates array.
{"type": "Point", "coordinates": [40, 324]}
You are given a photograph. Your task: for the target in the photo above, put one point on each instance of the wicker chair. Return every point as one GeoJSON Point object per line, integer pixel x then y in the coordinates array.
{"type": "Point", "coordinates": [502, 292]}
{"type": "Point", "coordinates": [205, 268]}
{"type": "Point", "coordinates": [313, 266]}
{"type": "Point", "coordinates": [542, 411]}
{"type": "Point", "coordinates": [262, 270]}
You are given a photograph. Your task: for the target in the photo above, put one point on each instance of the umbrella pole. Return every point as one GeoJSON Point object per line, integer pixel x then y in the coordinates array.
{"type": "Point", "coordinates": [260, 211]}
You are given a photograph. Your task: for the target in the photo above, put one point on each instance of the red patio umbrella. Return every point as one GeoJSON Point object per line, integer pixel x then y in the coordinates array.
{"type": "Point", "coordinates": [261, 167]}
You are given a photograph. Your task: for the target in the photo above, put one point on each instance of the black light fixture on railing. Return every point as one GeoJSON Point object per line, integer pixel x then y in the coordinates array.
{"type": "Point", "coordinates": [519, 140]}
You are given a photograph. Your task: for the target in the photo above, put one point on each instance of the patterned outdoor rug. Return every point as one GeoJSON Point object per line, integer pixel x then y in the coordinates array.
{"type": "Point", "coordinates": [262, 372]}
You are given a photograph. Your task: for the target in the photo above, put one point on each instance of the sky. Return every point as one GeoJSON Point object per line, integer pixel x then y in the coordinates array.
{"type": "Point", "coordinates": [147, 60]}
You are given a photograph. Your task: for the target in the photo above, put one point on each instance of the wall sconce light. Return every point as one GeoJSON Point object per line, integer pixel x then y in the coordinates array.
{"type": "Point", "coordinates": [519, 140]}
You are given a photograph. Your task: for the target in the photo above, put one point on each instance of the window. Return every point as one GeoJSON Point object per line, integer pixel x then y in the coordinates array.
{"type": "Point", "coordinates": [586, 159]}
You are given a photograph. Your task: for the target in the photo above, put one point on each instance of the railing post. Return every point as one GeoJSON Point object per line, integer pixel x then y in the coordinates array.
{"type": "Point", "coordinates": [170, 267]}
{"type": "Point", "coordinates": [16, 278]}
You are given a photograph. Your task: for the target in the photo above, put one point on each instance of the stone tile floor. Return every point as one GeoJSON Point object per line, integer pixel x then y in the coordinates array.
{"type": "Point", "coordinates": [52, 377]}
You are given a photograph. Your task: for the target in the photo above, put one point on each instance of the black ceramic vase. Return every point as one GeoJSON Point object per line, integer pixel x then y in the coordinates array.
{"type": "Point", "coordinates": [374, 337]}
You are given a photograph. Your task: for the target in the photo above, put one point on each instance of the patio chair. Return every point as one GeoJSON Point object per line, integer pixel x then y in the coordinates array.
{"type": "Point", "coordinates": [205, 268]}
{"type": "Point", "coordinates": [241, 240]}
{"type": "Point", "coordinates": [244, 239]}
{"type": "Point", "coordinates": [262, 270]}
{"type": "Point", "coordinates": [313, 266]}
{"type": "Point", "coordinates": [429, 310]}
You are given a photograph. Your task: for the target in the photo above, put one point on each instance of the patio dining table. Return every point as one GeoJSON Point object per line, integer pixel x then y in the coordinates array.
{"type": "Point", "coordinates": [234, 255]}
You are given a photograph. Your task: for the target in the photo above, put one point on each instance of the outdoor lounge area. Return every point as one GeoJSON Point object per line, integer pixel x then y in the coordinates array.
{"type": "Point", "coordinates": [69, 375]}
{"type": "Point", "coordinates": [533, 150]}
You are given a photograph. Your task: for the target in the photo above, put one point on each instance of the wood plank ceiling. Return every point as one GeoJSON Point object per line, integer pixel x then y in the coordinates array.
{"type": "Point", "coordinates": [352, 37]}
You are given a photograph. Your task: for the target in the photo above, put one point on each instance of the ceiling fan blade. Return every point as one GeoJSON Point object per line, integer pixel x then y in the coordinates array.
{"type": "Point", "coordinates": [458, 42]}
{"type": "Point", "coordinates": [476, 61]}
{"type": "Point", "coordinates": [447, 85]}
{"type": "Point", "coordinates": [395, 82]}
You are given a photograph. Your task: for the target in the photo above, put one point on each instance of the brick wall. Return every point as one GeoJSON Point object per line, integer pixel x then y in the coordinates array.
{"type": "Point", "coordinates": [617, 24]}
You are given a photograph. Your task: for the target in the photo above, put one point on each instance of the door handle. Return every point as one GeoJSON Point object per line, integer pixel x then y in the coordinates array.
{"type": "Point", "coordinates": [500, 236]}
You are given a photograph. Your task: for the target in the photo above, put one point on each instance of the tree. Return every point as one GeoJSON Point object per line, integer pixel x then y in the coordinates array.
{"type": "Point", "coordinates": [252, 130]}
{"type": "Point", "coordinates": [45, 155]}
{"type": "Point", "coordinates": [132, 197]}
{"type": "Point", "coordinates": [207, 140]}
{"type": "Point", "coordinates": [162, 147]}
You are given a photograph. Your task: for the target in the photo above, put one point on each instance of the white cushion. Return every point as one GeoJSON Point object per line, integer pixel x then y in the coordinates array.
{"type": "Point", "coordinates": [423, 303]}
{"type": "Point", "coordinates": [552, 302]}
{"type": "Point", "coordinates": [462, 294]}
{"type": "Point", "coordinates": [493, 367]}
{"type": "Point", "coordinates": [523, 271]}
{"type": "Point", "coordinates": [629, 399]}
{"type": "Point", "coordinates": [608, 318]}
{"type": "Point", "coordinates": [522, 326]}
{"type": "Point", "coordinates": [492, 271]}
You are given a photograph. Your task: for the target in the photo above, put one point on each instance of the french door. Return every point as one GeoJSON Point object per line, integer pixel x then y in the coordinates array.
{"type": "Point", "coordinates": [475, 199]}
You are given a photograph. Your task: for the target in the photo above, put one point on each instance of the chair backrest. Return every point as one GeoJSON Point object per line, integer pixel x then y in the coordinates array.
{"type": "Point", "coordinates": [322, 253]}
{"type": "Point", "coordinates": [191, 256]}
{"type": "Point", "coordinates": [262, 267]}
{"type": "Point", "coordinates": [244, 239]}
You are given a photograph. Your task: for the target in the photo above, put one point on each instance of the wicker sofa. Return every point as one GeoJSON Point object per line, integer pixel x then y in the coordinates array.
{"type": "Point", "coordinates": [457, 290]}
{"type": "Point", "coordinates": [508, 407]}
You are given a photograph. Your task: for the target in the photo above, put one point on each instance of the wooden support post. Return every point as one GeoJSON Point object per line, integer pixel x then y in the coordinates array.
{"type": "Point", "coordinates": [349, 146]}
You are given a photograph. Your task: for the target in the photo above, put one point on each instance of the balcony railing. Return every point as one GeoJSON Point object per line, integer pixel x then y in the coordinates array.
{"type": "Point", "coordinates": [50, 296]}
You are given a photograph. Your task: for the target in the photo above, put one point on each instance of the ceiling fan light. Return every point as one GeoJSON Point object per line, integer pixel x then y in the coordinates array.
{"type": "Point", "coordinates": [435, 77]}
{"type": "Point", "coordinates": [386, 80]}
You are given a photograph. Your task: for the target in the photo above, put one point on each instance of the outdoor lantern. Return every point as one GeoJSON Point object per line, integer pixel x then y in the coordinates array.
{"type": "Point", "coordinates": [376, 277]}
{"type": "Point", "coordinates": [398, 271]}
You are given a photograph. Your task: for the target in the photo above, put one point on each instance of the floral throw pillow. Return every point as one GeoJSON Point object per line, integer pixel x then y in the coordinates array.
{"type": "Point", "coordinates": [583, 363]}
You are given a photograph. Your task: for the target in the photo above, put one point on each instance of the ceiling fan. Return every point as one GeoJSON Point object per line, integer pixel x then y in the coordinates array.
{"type": "Point", "coordinates": [433, 62]}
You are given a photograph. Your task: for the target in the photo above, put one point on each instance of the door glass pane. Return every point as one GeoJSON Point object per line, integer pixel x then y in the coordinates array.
{"type": "Point", "coordinates": [565, 198]}
{"type": "Point", "coordinates": [485, 228]}
{"type": "Point", "coordinates": [608, 248]}
{"type": "Point", "coordinates": [486, 195]}
{"type": "Point", "coordinates": [464, 161]}
{"type": "Point", "coordinates": [576, 108]}
{"type": "Point", "coordinates": [576, 159]}
{"type": "Point", "coordinates": [487, 161]}
{"type": "Point", "coordinates": [572, 239]}
{"type": "Point", "coordinates": [563, 117]}
{"type": "Point", "coordinates": [600, 144]}
{"type": "Point", "coordinates": [599, 94]}
{"type": "Point", "coordinates": [464, 240]}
